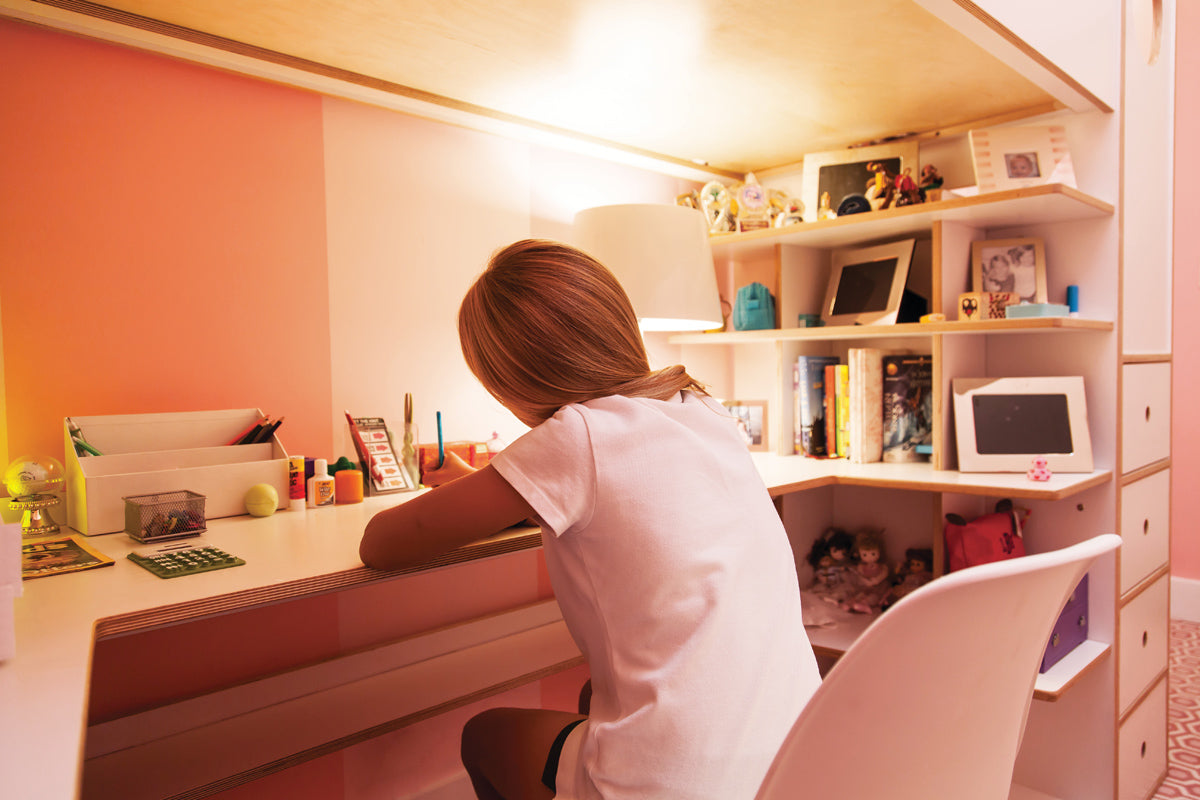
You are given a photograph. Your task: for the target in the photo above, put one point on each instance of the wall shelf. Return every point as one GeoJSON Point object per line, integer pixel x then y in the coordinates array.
{"type": "Point", "coordinates": [1050, 203]}
{"type": "Point", "coordinates": [844, 332]}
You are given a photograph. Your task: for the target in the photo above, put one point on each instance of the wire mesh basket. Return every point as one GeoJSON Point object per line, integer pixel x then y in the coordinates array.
{"type": "Point", "coordinates": [164, 515]}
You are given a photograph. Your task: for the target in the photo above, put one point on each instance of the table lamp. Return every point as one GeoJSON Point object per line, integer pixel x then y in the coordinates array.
{"type": "Point", "coordinates": [661, 256]}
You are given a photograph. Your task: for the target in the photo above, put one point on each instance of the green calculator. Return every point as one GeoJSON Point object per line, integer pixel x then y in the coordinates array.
{"type": "Point", "coordinates": [184, 559]}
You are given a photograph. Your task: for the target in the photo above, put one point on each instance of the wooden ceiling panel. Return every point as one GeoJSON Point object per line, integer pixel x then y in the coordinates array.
{"type": "Point", "coordinates": [738, 85]}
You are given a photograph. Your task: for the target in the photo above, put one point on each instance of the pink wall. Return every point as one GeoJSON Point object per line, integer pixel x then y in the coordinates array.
{"type": "Point", "coordinates": [162, 241]}
{"type": "Point", "coordinates": [1185, 439]}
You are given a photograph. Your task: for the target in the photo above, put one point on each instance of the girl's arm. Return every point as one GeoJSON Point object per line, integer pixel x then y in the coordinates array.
{"type": "Point", "coordinates": [465, 510]}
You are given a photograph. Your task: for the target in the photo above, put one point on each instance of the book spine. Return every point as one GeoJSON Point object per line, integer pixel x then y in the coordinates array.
{"type": "Point", "coordinates": [831, 409]}
{"type": "Point", "coordinates": [843, 410]}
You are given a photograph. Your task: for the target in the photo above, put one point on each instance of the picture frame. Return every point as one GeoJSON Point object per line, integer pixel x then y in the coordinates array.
{"type": "Point", "coordinates": [1010, 265]}
{"type": "Point", "coordinates": [1002, 424]}
{"type": "Point", "coordinates": [751, 416]}
{"type": "Point", "coordinates": [1014, 158]}
{"type": "Point", "coordinates": [866, 284]}
{"type": "Point", "coordinates": [842, 172]}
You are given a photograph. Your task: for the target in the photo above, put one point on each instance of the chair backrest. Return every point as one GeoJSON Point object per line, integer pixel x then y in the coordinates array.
{"type": "Point", "coordinates": [931, 701]}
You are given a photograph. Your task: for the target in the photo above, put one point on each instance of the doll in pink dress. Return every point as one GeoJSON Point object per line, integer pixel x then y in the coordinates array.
{"type": "Point", "coordinates": [869, 575]}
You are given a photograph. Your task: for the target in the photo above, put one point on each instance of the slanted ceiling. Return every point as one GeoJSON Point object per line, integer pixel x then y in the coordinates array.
{"type": "Point", "coordinates": [730, 84]}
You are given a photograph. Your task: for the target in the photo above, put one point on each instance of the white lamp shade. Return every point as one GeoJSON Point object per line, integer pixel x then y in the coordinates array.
{"type": "Point", "coordinates": [661, 256]}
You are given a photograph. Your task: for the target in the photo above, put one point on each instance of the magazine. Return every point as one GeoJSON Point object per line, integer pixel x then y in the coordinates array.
{"type": "Point", "coordinates": [54, 556]}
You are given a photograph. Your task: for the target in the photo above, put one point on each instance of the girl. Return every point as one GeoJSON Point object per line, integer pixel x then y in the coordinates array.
{"type": "Point", "coordinates": [665, 552]}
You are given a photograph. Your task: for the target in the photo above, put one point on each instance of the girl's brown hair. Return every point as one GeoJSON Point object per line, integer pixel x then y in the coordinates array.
{"type": "Point", "coordinates": [546, 325]}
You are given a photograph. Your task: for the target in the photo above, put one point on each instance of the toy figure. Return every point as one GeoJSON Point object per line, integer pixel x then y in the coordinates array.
{"type": "Point", "coordinates": [881, 188]}
{"type": "Point", "coordinates": [930, 178]}
{"type": "Point", "coordinates": [907, 193]}
{"type": "Point", "coordinates": [830, 560]}
{"type": "Point", "coordinates": [1039, 471]}
{"type": "Point", "coordinates": [869, 576]}
{"type": "Point", "coordinates": [914, 572]}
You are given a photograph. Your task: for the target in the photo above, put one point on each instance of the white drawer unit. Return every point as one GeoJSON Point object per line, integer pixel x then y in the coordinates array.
{"type": "Point", "coordinates": [1142, 747]}
{"type": "Point", "coordinates": [1145, 525]}
{"type": "Point", "coordinates": [1145, 414]}
{"type": "Point", "coordinates": [1143, 641]}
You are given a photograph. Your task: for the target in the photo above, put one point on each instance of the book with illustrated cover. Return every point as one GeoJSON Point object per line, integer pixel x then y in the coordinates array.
{"type": "Point", "coordinates": [55, 556]}
{"type": "Point", "coordinates": [809, 389]}
{"type": "Point", "coordinates": [831, 407]}
{"type": "Point", "coordinates": [907, 408]}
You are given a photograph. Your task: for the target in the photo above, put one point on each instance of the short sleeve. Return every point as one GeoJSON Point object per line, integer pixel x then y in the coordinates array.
{"type": "Point", "coordinates": [553, 468]}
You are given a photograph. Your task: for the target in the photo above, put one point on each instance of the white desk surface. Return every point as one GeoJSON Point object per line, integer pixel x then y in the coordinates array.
{"type": "Point", "coordinates": [44, 687]}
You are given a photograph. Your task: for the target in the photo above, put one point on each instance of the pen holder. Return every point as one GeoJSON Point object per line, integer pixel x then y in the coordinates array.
{"type": "Point", "coordinates": [165, 515]}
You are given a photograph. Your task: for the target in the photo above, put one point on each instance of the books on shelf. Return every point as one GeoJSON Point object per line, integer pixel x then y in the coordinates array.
{"type": "Point", "coordinates": [808, 381]}
{"type": "Point", "coordinates": [907, 408]}
{"type": "Point", "coordinates": [865, 424]}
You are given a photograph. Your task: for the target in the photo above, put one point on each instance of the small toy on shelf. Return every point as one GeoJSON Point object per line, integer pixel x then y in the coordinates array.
{"type": "Point", "coordinates": [881, 188]}
{"type": "Point", "coordinates": [869, 576]}
{"type": "Point", "coordinates": [930, 184]}
{"type": "Point", "coordinates": [830, 560]}
{"type": "Point", "coordinates": [907, 193]}
{"type": "Point", "coordinates": [1039, 471]}
{"type": "Point", "coordinates": [914, 572]}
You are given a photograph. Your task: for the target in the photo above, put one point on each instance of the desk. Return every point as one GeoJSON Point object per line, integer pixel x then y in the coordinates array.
{"type": "Point", "coordinates": [290, 555]}
{"type": "Point", "coordinates": [44, 688]}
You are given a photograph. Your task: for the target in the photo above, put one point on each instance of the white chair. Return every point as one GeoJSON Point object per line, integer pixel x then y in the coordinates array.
{"type": "Point", "coordinates": [930, 702]}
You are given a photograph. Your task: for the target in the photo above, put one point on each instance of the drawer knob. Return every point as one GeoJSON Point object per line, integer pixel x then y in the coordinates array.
{"type": "Point", "coordinates": [1054, 640]}
{"type": "Point", "coordinates": [1145, 527]}
{"type": "Point", "coordinates": [1147, 413]}
{"type": "Point", "coordinates": [1145, 638]}
{"type": "Point", "coordinates": [1082, 621]}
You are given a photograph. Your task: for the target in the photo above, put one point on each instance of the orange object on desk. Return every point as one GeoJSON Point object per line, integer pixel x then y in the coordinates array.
{"type": "Point", "coordinates": [348, 486]}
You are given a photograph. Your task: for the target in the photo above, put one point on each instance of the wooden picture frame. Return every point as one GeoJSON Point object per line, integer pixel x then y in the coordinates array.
{"type": "Point", "coordinates": [866, 284]}
{"type": "Point", "coordinates": [1014, 158]}
{"type": "Point", "coordinates": [844, 172]}
{"type": "Point", "coordinates": [752, 420]}
{"type": "Point", "coordinates": [1002, 424]}
{"type": "Point", "coordinates": [1010, 265]}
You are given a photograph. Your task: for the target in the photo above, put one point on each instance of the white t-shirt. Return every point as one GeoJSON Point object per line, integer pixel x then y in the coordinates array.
{"type": "Point", "coordinates": [677, 581]}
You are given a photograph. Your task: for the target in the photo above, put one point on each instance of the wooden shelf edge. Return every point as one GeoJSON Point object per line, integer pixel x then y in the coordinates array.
{"type": "Point", "coordinates": [902, 329]}
{"type": "Point", "coordinates": [1081, 205]}
{"type": "Point", "coordinates": [1056, 681]}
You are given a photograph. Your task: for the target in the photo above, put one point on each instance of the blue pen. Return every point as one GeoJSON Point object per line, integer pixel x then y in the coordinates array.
{"type": "Point", "coordinates": [441, 447]}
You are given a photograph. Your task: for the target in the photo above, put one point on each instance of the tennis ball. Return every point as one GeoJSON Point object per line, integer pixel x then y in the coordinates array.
{"type": "Point", "coordinates": [262, 500]}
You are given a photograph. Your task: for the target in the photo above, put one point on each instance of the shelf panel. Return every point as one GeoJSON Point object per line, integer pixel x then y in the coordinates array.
{"type": "Point", "coordinates": [1052, 683]}
{"type": "Point", "coordinates": [833, 641]}
{"type": "Point", "coordinates": [786, 474]}
{"type": "Point", "coordinates": [951, 327]}
{"type": "Point", "coordinates": [1047, 204]}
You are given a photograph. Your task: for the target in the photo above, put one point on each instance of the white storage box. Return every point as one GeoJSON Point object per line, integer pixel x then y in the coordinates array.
{"type": "Point", "coordinates": [148, 453]}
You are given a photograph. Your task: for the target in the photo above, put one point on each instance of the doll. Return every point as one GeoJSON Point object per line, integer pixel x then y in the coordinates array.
{"type": "Point", "coordinates": [869, 576]}
{"type": "Point", "coordinates": [915, 571]}
{"type": "Point", "coordinates": [830, 560]}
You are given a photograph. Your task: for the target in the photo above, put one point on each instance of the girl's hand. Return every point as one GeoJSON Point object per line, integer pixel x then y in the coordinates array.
{"type": "Point", "coordinates": [452, 469]}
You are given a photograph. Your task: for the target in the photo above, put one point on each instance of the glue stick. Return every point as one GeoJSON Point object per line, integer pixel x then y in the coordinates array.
{"type": "Point", "coordinates": [296, 483]}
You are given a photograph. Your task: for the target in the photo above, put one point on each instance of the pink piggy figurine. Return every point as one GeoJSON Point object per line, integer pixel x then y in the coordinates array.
{"type": "Point", "coordinates": [1039, 471]}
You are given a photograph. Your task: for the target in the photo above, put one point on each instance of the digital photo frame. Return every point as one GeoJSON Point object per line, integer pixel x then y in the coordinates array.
{"type": "Point", "coordinates": [1002, 424]}
{"type": "Point", "coordinates": [866, 284]}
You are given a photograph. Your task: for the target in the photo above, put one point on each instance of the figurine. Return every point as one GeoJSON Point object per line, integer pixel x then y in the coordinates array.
{"type": "Point", "coordinates": [914, 572]}
{"type": "Point", "coordinates": [753, 205]}
{"type": "Point", "coordinates": [869, 576]}
{"type": "Point", "coordinates": [830, 560]}
{"type": "Point", "coordinates": [881, 187]}
{"type": "Point", "coordinates": [1039, 471]}
{"type": "Point", "coordinates": [930, 184]}
{"type": "Point", "coordinates": [907, 193]}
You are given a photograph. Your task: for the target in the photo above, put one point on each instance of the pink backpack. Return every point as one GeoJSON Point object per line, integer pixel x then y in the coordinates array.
{"type": "Point", "coordinates": [992, 537]}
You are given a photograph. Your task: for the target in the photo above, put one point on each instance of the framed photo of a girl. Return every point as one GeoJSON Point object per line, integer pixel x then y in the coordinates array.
{"type": "Point", "coordinates": [1010, 265]}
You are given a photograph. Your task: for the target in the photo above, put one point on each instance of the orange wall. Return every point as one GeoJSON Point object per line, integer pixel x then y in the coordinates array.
{"type": "Point", "coordinates": [1185, 437]}
{"type": "Point", "coordinates": [162, 241]}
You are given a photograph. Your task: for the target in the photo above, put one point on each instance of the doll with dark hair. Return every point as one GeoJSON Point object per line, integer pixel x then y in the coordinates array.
{"type": "Point", "coordinates": [914, 572]}
{"type": "Point", "coordinates": [831, 562]}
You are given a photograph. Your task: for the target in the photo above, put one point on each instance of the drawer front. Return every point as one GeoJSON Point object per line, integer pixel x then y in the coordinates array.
{"type": "Point", "coordinates": [1145, 414]}
{"type": "Point", "coordinates": [1145, 521]}
{"type": "Point", "coordinates": [1143, 640]}
{"type": "Point", "coordinates": [1142, 747]}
